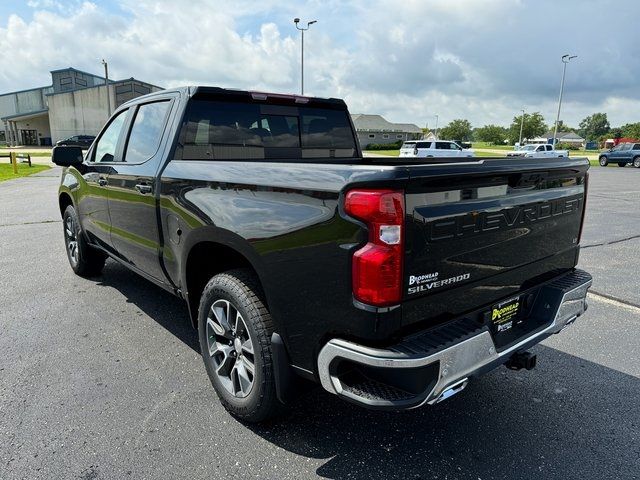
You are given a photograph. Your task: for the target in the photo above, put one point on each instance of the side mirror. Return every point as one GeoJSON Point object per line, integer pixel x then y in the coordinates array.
{"type": "Point", "coordinates": [65, 156]}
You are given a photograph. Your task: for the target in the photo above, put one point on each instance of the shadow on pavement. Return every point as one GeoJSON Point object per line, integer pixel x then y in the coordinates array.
{"type": "Point", "coordinates": [504, 425]}
{"type": "Point", "coordinates": [161, 306]}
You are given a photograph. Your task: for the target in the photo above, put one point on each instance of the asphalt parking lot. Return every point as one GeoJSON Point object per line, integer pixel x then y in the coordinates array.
{"type": "Point", "coordinates": [102, 378]}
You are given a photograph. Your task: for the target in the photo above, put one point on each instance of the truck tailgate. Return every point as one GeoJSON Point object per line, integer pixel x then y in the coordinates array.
{"type": "Point", "coordinates": [478, 231]}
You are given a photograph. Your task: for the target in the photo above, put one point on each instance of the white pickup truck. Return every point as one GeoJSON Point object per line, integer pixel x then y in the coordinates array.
{"type": "Point", "coordinates": [534, 150]}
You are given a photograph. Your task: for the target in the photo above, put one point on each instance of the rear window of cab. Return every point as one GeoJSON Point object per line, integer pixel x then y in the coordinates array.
{"type": "Point", "coordinates": [223, 130]}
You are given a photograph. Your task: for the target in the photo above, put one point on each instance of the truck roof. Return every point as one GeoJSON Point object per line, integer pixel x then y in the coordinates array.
{"type": "Point", "coordinates": [211, 91]}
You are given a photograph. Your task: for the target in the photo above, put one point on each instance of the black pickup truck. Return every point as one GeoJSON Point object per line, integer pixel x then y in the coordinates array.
{"type": "Point", "coordinates": [390, 283]}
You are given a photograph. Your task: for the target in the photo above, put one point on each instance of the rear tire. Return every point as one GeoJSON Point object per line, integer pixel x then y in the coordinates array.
{"type": "Point", "coordinates": [622, 164]}
{"type": "Point", "coordinates": [603, 161]}
{"type": "Point", "coordinates": [235, 330]}
{"type": "Point", "coordinates": [85, 260]}
{"type": "Point", "coordinates": [636, 162]}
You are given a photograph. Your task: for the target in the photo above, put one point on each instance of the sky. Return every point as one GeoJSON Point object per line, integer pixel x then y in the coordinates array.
{"type": "Point", "coordinates": [410, 60]}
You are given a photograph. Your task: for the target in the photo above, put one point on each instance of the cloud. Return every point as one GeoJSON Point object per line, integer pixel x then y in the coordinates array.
{"type": "Point", "coordinates": [482, 60]}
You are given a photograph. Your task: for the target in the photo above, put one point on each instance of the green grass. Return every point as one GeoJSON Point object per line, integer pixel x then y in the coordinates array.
{"type": "Point", "coordinates": [389, 153]}
{"type": "Point", "coordinates": [33, 153]}
{"type": "Point", "coordinates": [488, 146]}
{"type": "Point", "coordinates": [6, 170]}
{"type": "Point", "coordinates": [485, 154]}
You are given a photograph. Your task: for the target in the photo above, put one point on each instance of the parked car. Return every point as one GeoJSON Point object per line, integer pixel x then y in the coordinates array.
{"type": "Point", "coordinates": [83, 141]}
{"type": "Point", "coordinates": [534, 150]}
{"type": "Point", "coordinates": [622, 154]}
{"type": "Point", "coordinates": [439, 148]}
{"type": "Point", "coordinates": [300, 261]}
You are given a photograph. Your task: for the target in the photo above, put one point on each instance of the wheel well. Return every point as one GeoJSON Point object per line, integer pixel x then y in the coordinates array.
{"type": "Point", "coordinates": [64, 200]}
{"type": "Point", "coordinates": [205, 260]}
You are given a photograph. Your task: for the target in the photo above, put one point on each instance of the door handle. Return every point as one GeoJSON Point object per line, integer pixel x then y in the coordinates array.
{"type": "Point", "coordinates": [102, 181]}
{"type": "Point", "coordinates": [143, 188]}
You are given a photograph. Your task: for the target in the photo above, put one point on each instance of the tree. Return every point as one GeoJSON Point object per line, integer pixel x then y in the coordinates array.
{"type": "Point", "coordinates": [631, 130]}
{"type": "Point", "coordinates": [494, 134]}
{"type": "Point", "coordinates": [459, 129]}
{"type": "Point", "coordinates": [533, 126]}
{"type": "Point", "coordinates": [594, 126]}
{"type": "Point", "coordinates": [565, 128]}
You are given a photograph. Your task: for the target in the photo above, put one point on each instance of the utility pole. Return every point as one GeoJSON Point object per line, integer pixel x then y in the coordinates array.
{"type": "Point", "coordinates": [106, 82]}
{"type": "Point", "coordinates": [436, 127]}
{"type": "Point", "coordinates": [302, 30]}
{"type": "Point", "coordinates": [565, 60]}
{"type": "Point", "coordinates": [521, 125]}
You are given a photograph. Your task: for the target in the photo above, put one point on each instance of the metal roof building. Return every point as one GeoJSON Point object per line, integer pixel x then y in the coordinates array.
{"type": "Point", "coordinates": [74, 104]}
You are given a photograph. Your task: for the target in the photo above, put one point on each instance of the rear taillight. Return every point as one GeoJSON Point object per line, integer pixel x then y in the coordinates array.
{"type": "Point", "coordinates": [584, 205]}
{"type": "Point", "coordinates": [377, 267]}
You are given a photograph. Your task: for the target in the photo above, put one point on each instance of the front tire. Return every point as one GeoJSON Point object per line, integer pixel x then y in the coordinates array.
{"type": "Point", "coordinates": [604, 161]}
{"type": "Point", "coordinates": [636, 162]}
{"type": "Point", "coordinates": [235, 330]}
{"type": "Point", "coordinates": [84, 260]}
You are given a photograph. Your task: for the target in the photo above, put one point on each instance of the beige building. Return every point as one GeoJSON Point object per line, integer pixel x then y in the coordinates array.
{"type": "Point", "coordinates": [376, 129]}
{"type": "Point", "coordinates": [74, 104]}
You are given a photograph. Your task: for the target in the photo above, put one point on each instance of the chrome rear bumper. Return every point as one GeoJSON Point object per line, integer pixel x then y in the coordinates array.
{"type": "Point", "coordinates": [392, 378]}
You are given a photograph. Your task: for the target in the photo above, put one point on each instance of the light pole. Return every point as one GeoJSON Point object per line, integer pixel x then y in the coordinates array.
{"type": "Point", "coordinates": [302, 30]}
{"type": "Point", "coordinates": [565, 60]}
{"type": "Point", "coordinates": [521, 125]}
{"type": "Point", "coordinates": [436, 127]}
{"type": "Point", "coordinates": [106, 82]}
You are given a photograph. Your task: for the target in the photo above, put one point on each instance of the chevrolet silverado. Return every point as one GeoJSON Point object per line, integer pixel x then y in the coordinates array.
{"type": "Point", "coordinates": [390, 284]}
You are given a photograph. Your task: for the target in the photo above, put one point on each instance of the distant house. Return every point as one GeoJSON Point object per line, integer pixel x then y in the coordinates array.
{"type": "Point", "coordinates": [563, 137]}
{"type": "Point", "coordinates": [429, 136]}
{"type": "Point", "coordinates": [375, 129]}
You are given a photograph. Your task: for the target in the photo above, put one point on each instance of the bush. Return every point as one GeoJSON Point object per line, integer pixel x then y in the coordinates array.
{"type": "Point", "coordinates": [384, 146]}
{"type": "Point", "coordinates": [567, 146]}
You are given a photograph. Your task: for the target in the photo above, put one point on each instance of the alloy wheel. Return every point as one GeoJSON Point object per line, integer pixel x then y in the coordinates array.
{"type": "Point", "coordinates": [71, 237]}
{"type": "Point", "coordinates": [230, 348]}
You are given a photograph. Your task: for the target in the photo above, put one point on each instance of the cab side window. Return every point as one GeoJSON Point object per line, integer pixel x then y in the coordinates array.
{"type": "Point", "coordinates": [105, 150]}
{"type": "Point", "coordinates": [146, 132]}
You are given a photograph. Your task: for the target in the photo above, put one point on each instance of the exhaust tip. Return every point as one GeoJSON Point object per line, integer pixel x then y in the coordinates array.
{"type": "Point", "coordinates": [452, 390]}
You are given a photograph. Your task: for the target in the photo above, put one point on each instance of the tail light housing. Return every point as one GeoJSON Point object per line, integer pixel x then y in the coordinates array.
{"type": "Point", "coordinates": [584, 205]}
{"type": "Point", "coordinates": [377, 267]}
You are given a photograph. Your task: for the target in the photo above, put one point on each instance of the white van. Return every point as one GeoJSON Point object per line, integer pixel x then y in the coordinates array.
{"type": "Point", "coordinates": [438, 148]}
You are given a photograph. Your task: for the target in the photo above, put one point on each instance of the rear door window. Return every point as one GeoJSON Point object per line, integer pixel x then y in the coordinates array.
{"type": "Point", "coordinates": [146, 131]}
{"type": "Point", "coordinates": [214, 129]}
